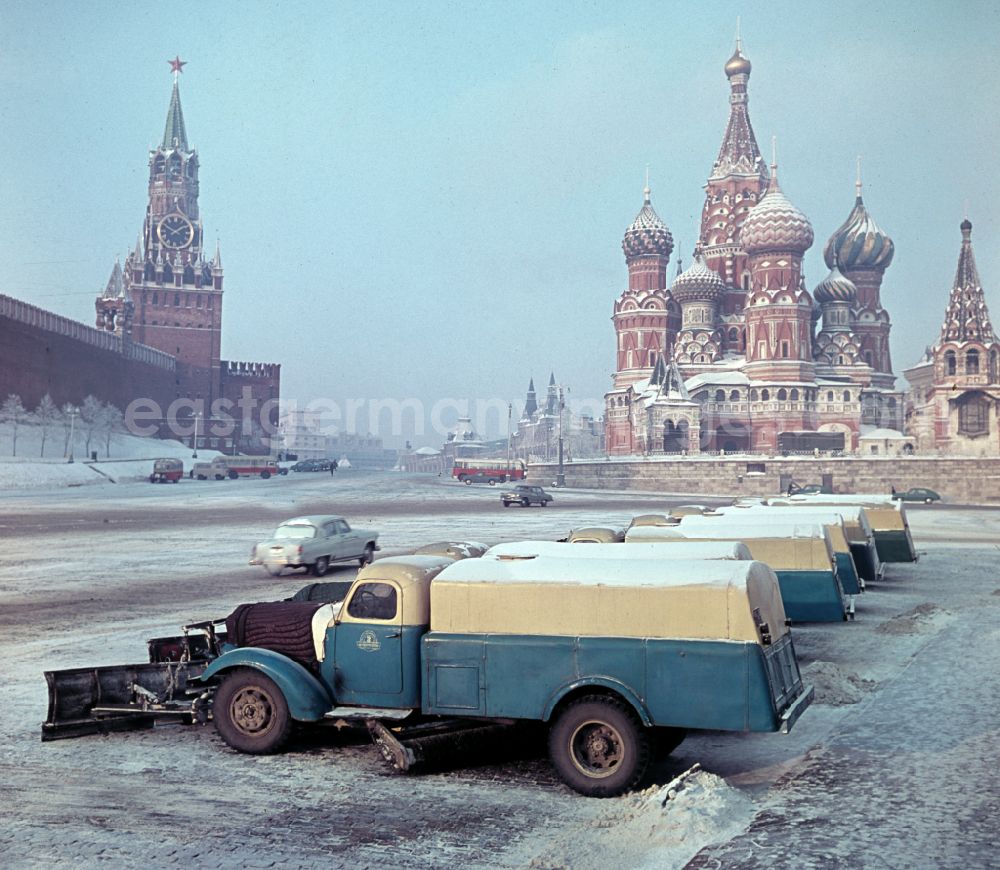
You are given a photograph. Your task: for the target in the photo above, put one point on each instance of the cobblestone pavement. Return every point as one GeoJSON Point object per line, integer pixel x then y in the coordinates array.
{"type": "Point", "coordinates": [891, 767]}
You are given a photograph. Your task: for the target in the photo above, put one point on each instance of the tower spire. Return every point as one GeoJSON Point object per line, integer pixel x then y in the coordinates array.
{"type": "Point", "coordinates": [967, 317]}
{"type": "Point", "coordinates": [174, 134]}
{"type": "Point", "coordinates": [857, 183]}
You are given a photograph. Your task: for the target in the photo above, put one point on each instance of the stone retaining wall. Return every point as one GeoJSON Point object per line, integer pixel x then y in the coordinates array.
{"type": "Point", "coordinates": [963, 480]}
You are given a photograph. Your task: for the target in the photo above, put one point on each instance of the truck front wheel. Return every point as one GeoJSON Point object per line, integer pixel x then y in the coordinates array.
{"type": "Point", "coordinates": [599, 747]}
{"type": "Point", "coordinates": [250, 713]}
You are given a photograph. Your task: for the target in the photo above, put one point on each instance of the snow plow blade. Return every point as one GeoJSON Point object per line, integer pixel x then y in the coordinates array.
{"type": "Point", "coordinates": [129, 697]}
{"type": "Point", "coordinates": [122, 698]}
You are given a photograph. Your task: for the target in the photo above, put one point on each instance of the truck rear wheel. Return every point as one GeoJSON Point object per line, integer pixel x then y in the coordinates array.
{"type": "Point", "coordinates": [233, 475]}
{"type": "Point", "coordinates": [250, 712]}
{"type": "Point", "coordinates": [320, 565]}
{"type": "Point", "coordinates": [599, 747]}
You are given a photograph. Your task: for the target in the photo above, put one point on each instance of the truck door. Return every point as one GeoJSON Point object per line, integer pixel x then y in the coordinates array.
{"type": "Point", "coordinates": [368, 649]}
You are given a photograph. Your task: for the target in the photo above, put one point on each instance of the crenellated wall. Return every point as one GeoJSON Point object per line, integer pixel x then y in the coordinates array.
{"type": "Point", "coordinates": [41, 352]}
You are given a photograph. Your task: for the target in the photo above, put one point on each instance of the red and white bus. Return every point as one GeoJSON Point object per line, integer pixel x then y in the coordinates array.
{"type": "Point", "coordinates": [491, 471]}
{"type": "Point", "coordinates": [243, 466]}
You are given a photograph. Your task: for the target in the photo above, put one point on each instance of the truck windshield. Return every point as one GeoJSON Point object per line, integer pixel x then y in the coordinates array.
{"type": "Point", "coordinates": [295, 532]}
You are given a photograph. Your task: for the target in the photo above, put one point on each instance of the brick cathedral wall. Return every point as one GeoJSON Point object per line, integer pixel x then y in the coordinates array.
{"type": "Point", "coordinates": [35, 361]}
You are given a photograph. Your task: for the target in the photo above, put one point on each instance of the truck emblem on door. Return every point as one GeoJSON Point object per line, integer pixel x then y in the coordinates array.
{"type": "Point", "coordinates": [369, 642]}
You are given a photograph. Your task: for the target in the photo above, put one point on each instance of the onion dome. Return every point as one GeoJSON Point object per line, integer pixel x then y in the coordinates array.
{"type": "Point", "coordinates": [859, 243]}
{"type": "Point", "coordinates": [698, 283]}
{"type": "Point", "coordinates": [737, 64]}
{"type": "Point", "coordinates": [774, 224]}
{"type": "Point", "coordinates": [835, 288]}
{"type": "Point", "coordinates": [647, 235]}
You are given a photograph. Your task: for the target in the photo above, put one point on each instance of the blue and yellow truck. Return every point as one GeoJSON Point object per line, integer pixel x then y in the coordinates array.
{"type": "Point", "coordinates": [616, 656]}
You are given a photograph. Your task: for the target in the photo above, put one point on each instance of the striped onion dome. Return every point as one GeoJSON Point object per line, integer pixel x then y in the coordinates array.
{"type": "Point", "coordinates": [647, 235]}
{"type": "Point", "coordinates": [774, 224]}
{"type": "Point", "coordinates": [697, 282]}
{"type": "Point", "coordinates": [859, 243]}
{"type": "Point", "coordinates": [835, 288]}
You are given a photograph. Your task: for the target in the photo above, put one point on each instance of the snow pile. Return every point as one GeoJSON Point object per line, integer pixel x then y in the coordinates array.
{"type": "Point", "coordinates": [920, 620]}
{"type": "Point", "coordinates": [835, 686]}
{"type": "Point", "coordinates": [659, 827]}
{"type": "Point", "coordinates": [125, 457]}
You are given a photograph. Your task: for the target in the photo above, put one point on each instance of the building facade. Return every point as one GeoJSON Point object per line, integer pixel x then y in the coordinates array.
{"type": "Point", "coordinates": [541, 426]}
{"type": "Point", "coordinates": [736, 350]}
{"type": "Point", "coordinates": [955, 389]}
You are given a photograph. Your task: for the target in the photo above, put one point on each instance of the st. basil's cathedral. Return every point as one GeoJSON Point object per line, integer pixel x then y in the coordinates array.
{"type": "Point", "coordinates": [736, 350]}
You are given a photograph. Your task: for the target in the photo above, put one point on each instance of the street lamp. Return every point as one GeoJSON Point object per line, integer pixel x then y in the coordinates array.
{"type": "Point", "coordinates": [72, 420]}
{"type": "Point", "coordinates": [510, 409]}
{"type": "Point", "coordinates": [194, 439]}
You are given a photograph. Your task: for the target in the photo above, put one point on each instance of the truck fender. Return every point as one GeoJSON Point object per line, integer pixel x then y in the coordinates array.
{"type": "Point", "coordinates": [619, 688]}
{"type": "Point", "coordinates": [308, 699]}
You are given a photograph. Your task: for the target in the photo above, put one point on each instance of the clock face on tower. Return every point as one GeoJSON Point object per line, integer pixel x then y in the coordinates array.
{"type": "Point", "coordinates": [175, 231]}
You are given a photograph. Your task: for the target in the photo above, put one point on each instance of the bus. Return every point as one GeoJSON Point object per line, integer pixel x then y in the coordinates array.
{"type": "Point", "coordinates": [491, 471]}
{"type": "Point", "coordinates": [243, 466]}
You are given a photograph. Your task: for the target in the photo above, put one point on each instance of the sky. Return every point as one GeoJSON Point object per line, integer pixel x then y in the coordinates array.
{"type": "Point", "coordinates": [424, 202]}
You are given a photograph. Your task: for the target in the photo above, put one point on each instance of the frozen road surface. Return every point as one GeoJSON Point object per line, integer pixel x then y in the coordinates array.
{"type": "Point", "coordinates": [893, 766]}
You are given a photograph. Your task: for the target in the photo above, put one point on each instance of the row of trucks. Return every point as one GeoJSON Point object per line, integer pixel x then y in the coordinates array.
{"type": "Point", "coordinates": [618, 648]}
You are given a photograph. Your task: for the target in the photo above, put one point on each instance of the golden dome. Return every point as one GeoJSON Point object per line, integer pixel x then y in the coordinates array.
{"type": "Point", "coordinates": [737, 65]}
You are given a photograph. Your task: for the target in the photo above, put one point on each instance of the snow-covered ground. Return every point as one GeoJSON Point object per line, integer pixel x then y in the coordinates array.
{"type": "Point", "coordinates": [896, 748]}
{"type": "Point", "coordinates": [124, 457]}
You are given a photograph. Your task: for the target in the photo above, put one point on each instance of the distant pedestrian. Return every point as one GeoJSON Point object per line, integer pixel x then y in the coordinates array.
{"type": "Point", "coordinates": [333, 467]}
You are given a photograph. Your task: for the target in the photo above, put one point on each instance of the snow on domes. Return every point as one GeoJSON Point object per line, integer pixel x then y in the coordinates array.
{"type": "Point", "coordinates": [859, 243]}
{"type": "Point", "coordinates": [774, 224]}
{"type": "Point", "coordinates": [697, 282]}
{"type": "Point", "coordinates": [835, 288]}
{"type": "Point", "coordinates": [647, 235]}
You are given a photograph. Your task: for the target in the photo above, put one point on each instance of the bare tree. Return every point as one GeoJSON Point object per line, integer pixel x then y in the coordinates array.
{"type": "Point", "coordinates": [66, 415]}
{"type": "Point", "coordinates": [113, 421]}
{"type": "Point", "coordinates": [13, 413]}
{"type": "Point", "coordinates": [46, 415]}
{"type": "Point", "coordinates": [91, 418]}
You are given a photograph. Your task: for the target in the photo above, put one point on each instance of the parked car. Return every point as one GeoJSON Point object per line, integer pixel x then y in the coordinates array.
{"type": "Point", "coordinates": [312, 465]}
{"type": "Point", "coordinates": [525, 495]}
{"type": "Point", "coordinates": [314, 542]}
{"type": "Point", "coordinates": [917, 493]}
{"type": "Point", "coordinates": [807, 489]}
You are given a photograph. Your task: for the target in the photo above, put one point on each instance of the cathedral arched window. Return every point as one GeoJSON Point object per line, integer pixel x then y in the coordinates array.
{"type": "Point", "coordinates": [765, 395]}
{"type": "Point", "coordinates": [784, 350]}
{"type": "Point", "coordinates": [753, 395]}
{"type": "Point", "coordinates": [847, 395]}
{"type": "Point", "coordinates": [174, 164]}
{"type": "Point", "coordinates": [950, 366]}
{"type": "Point", "coordinates": [829, 395]}
{"type": "Point", "coordinates": [794, 395]}
{"type": "Point", "coordinates": [782, 394]}
{"type": "Point", "coordinates": [158, 165]}
{"type": "Point", "coordinates": [188, 274]}
{"type": "Point", "coordinates": [168, 273]}
{"type": "Point", "coordinates": [156, 298]}
{"type": "Point", "coordinates": [149, 272]}
{"type": "Point", "coordinates": [973, 416]}
{"type": "Point", "coordinates": [720, 395]}
{"type": "Point", "coordinates": [734, 396]}
{"type": "Point", "coordinates": [993, 366]}
{"type": "Point", "coordinates": [972, 362]}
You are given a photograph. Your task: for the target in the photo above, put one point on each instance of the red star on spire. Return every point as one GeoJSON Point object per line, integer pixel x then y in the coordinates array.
{"type": "Point", "coordinates": [176, 64]}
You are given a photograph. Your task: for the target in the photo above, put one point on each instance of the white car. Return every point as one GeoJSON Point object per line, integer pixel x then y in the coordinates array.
{"type": "Point", "coordinates": [314, 542]}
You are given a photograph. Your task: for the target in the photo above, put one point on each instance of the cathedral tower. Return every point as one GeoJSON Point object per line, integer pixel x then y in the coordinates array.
{"type": "Point", "coordinates": [645, 318]}
{"type": "Point", "coordinates": [738, 179]}
{"type": "Point", "coordinates": [862, 252]}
